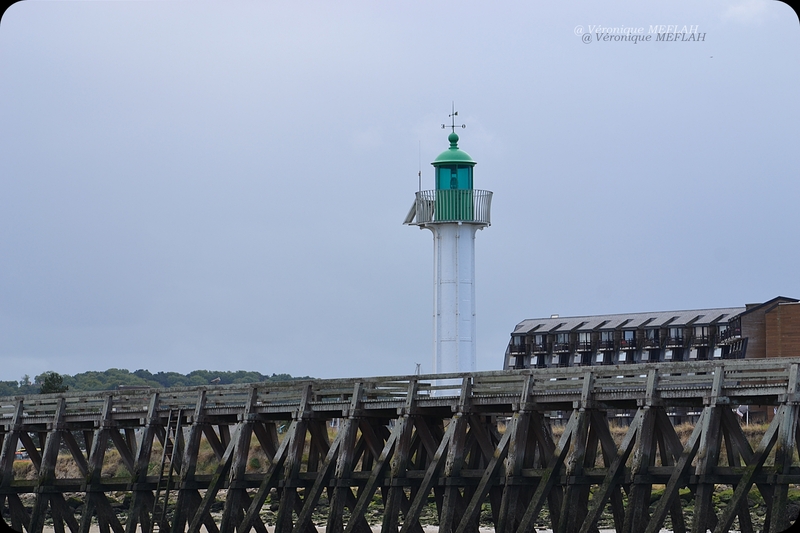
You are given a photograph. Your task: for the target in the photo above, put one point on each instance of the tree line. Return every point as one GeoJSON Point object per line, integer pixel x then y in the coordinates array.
{"type": "Point", "coordinates": [113, 378]}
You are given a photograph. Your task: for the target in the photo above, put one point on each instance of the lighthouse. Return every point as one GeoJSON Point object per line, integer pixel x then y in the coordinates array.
{"type": "Point", "coordinates": [453, 212]}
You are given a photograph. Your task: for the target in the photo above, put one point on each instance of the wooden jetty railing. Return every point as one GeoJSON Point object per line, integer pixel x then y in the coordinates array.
{"type": "Point", "coordinates": [468, 442]}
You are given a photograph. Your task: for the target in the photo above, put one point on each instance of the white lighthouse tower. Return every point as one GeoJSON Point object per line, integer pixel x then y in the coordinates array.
{"type": "Point", "coordinates": [454, 212]}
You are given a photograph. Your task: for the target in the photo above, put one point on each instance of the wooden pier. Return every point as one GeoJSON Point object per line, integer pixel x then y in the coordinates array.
{"type": "Point", "coordinates": [468, 442]}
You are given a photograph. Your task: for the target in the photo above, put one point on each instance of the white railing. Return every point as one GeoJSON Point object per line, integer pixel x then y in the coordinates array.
{"type": "Point", "coordinates": [454, 205]}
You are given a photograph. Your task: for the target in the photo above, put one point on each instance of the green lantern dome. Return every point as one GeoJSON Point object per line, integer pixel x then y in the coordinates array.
{"type": "Point", "coordinates": [454, 154]}
{"type": "Point", "coordinates": [453, 167]}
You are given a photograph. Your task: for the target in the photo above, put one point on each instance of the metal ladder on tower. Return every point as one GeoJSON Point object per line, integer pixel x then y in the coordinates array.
{"type": "Point", "coordinates": [172, 434]}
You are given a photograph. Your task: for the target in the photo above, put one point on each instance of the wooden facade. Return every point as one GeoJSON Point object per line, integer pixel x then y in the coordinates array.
{"type": "Point", "coordinates": [783, 330]}
{"type": "Point", "coordinates": [482, 443]}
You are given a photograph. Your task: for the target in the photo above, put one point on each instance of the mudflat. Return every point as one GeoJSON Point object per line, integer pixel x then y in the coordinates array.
{"type": "Point", "coordinates": [375, 529]}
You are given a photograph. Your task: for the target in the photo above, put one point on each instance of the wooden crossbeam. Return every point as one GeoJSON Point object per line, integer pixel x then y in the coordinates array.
{"type": "Point", "coordinates": [731, 433]}
{"type": "Point", "coordinates": [269, 481]}
{"type": "Point", "coordinates": [378, 470]}
{"type": "Point", "coordinates": [31, 449]}
{"type": "Point", "coordinates": [639, 497]}
{"type": "Point", "coordinates": [678, 476]}
{"type": "Point", "coordinates": [549, 477]}
{"type": "Point", "coordinates": [215, 485]}
{"type": "Point", "coordinates": [344, 464]}
{"type": "Point", "coordinates": [491, 471]}
{"type": "Point", "coordinates": [9, 449]}
{"type": "Point", "coordinates": [237, 494]}
{"type": "Point", "coordinates": [402, 456]}
{"type": "Point", "coordinates": [95, 499]}
{"type": "Point", "coordinates": [615, 470]}
{"type": "Point", "coordinates": [784, 448]}
{"type": "Point", "coordinates": [412, 516]}
{"type": "Point", "coordinates": [321, 481]}
{"type": "Point", "coordinates": [753, 466]}
{"type": "Point", "coordinates": [47, 469]}
{"type": "Point", "coordinates": [20, 517]}
{"type": "Point", "coordinates": [451, 498]}
{"type": "Point", "coordinates": [142, 499]}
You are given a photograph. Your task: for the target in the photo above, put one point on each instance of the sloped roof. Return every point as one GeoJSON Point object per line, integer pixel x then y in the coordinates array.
{"type": "Point", "coordinates": [628, 320]}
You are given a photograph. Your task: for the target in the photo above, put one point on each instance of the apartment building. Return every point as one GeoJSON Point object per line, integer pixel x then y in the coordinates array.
{"type": "Point", "coordinates": [769, 329]}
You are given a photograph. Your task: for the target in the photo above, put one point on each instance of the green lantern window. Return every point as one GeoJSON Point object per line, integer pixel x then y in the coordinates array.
{"type": "Point", "coordinates": [454, 177]}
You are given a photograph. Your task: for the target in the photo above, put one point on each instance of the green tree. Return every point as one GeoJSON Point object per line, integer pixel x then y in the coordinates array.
{"type": "Point", "coordinates": [51, 382]}
{"type": "Point", "coordinates": [9, 388]}
{"type": "Point", "coordinates": [112, 378]}
{"type": "Point", "coordinates": [25, 385]}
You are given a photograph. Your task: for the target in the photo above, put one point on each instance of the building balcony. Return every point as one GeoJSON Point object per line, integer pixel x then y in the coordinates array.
{"type": "Point", "coordinates": [627, 344]}
{"type": "Point", "coordinates": [539, 348]}
{"type": "Point", "coordinates": [560, 347]}
{"type": "Point", "coordinates": [730, 334]}
{"type": "Point", "coordinates": [605, 345]}
{"type": "Point", "coordinates": [517, 346]}
{"type": "Point", "coordinates": [674, 342]}
{"type": "Point", "coordinates": [585, 346]}
{"type": "Point", "coordinates": [700, 341]}
{"type": "Point", "coordinates": [469, 206]}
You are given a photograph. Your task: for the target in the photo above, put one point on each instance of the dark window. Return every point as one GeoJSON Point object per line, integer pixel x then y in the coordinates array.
{"type": "Point", "coordinates": [628, 338]}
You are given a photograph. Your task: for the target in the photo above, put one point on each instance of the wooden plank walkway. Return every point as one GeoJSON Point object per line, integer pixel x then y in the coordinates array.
{"type": "Point", "coordinates": [470, 443]}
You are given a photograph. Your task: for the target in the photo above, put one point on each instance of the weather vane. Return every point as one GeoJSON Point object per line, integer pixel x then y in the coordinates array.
{"type": "Point", "coordinates": [453, 116]}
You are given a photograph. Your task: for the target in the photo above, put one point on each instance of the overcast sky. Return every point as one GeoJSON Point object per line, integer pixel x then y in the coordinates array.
{"type": "Point", "coordinates": [193, 185]}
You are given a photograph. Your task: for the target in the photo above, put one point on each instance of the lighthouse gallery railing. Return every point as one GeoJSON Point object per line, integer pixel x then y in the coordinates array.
{"type": "Point", "coordinates": [454, 205]}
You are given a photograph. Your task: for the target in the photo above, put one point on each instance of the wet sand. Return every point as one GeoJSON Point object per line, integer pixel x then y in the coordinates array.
{"type": "Point", "coordinates": [375, 529]}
